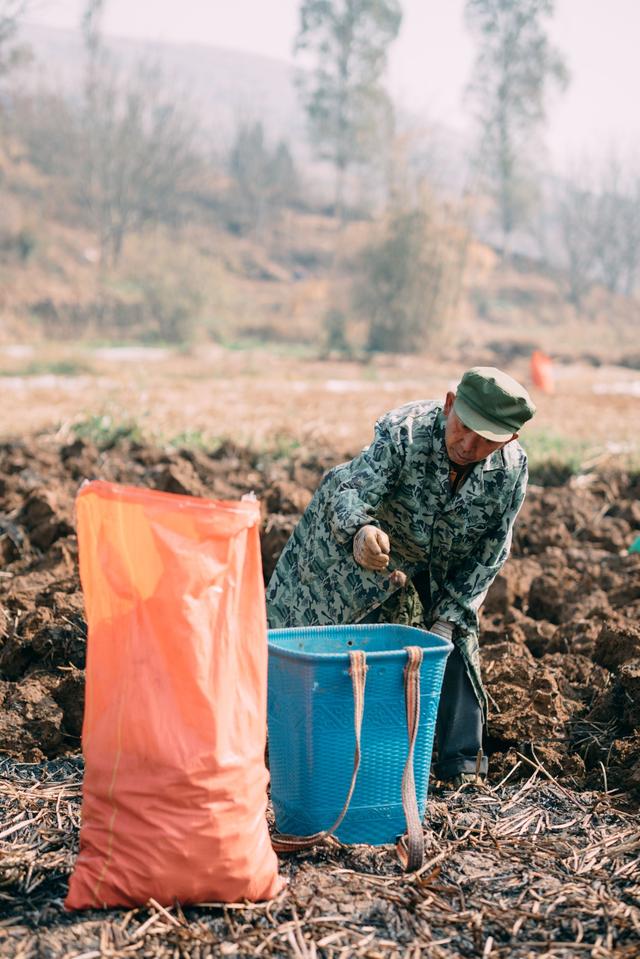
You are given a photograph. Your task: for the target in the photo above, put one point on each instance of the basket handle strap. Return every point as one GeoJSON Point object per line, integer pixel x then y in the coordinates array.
{"type": "Point", "coordinates": [410, 847]}
{"type": "Point", "coordinates": [358, 672]}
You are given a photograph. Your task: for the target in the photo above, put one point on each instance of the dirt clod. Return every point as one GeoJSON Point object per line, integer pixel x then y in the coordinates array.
{"type": "Point", "coordinates": [617, 643]}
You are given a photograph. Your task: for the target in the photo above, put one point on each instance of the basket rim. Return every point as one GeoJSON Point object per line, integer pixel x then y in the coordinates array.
{"type": "Point", "coordinates": [438, 647]}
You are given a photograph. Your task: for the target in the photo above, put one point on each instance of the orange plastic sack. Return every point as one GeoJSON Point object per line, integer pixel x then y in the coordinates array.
{"type": "Point", "coordinates": [542, 371]}
{"type": "Point", "coordinates": [175, 787]}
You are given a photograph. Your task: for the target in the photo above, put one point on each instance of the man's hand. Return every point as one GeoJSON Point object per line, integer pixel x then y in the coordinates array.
{"type": "Point", "coordinates": [371, 548]}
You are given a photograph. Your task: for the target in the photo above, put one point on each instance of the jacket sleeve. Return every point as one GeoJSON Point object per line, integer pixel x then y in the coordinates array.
{"type": "Point", "coordinates": [363, 483]}
{"type": "Point", "coordinates": [466, 589]}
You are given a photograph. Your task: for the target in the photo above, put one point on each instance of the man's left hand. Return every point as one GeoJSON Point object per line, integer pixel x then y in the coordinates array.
{"type": "Point", "coordinates": [371, 548]}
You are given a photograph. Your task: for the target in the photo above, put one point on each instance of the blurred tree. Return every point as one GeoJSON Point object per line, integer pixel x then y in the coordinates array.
{"type": "Point", "coordinates": [48, 127]}
{"type": "Point", "coordinates": [515, 69]}
{"type": "Point", "coordinates": [576, 219]}
{"type": "Point", "coordinates": [631, 230]}
{"type": "Point", "coordinates": [136, 145]}
{"type": "Point", "coordinates": [97, 58]}
{"type": "Point", "coordinates": [335, 332]}
{"type": "Point", "coordinates": [265, 180]}
{"type": "Point", "coordinates": [138, 156]}
{"type": "Point", "coordinates": [91, 27]}
{"type": "Point", "coordinates": [616, 226]}
{"type": "Point", "coordinates": [343, 45]}
{"type": "Point", "coordinates": [283, 176]}
{"type": "Point", "coordinates": [598, 212]}
{"type": "Point", "coordinates": [11, 53]}
{"type": "Point", "coordinates": [410, 280]}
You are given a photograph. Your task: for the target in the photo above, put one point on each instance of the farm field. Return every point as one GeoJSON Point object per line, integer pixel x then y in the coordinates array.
{"type": "Point", "coordinates": [542, 861]}
{"type": "Point", "coordinates": [257, 396]}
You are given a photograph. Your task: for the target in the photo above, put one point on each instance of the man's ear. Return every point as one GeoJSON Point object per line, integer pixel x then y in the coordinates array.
{"type": "Point", "coordinates": [448, 402]}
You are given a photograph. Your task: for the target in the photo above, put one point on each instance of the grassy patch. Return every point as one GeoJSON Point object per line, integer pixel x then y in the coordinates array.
{"type": "Point", "coordinates": [194, 439]}
{"type": "Point", "coordinates": [51, 368]}
{"type": "Point", "coordinates": [542, 447]}
{"type": "Point", "coordinates": [554, 458]}
{"type": "Point", "coordinates": [106, 432]}
{"type": "Point", "coordinates": [289, 349]}
{"type": "Point", "coordinates": [282, 446]}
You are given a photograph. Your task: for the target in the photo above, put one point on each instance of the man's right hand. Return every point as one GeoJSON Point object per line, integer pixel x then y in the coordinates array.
{"type": "Point", "coordinates": [371, 548]}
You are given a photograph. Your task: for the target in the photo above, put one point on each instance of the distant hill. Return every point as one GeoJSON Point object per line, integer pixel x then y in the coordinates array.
{"type": "Point", "coordinates": [225, 86]}
{"type": "Point", "coordinates": [229, 86]}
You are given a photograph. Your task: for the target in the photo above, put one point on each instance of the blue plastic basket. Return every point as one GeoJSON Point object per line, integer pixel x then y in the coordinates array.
{"type": "Point", "coordinates": [311, 731]}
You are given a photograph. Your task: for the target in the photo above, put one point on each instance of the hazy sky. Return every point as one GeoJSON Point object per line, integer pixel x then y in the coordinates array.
{"type": "Point", "coordinates": [432, 58]}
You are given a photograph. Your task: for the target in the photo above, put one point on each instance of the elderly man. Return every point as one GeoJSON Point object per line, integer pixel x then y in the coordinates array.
{"type": "Point", "coordinates": [413, 531]}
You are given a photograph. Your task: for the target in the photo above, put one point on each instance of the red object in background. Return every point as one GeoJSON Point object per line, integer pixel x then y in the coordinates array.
{"type": "Point", "coordinates": [175, 787]}
{"type": "Point", "coordinates": [542, 371]}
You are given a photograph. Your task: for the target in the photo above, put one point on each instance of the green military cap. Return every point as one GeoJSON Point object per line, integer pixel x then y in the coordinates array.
{"type": "Point", "coordinates": [492, 403]}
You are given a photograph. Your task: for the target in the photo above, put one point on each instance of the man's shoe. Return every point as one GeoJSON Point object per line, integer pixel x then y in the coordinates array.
{"type": "Point", "coordinates": [465, 779]}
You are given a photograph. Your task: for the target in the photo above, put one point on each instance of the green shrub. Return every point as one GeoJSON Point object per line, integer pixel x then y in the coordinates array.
{"type": "Point", "coordinates": [409, 281]}
{"type": "Point", "coordinates": [335, 332]}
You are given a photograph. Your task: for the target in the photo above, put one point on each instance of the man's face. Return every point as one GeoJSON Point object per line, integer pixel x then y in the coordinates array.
{"type": "Point", "coordinates": [463, 445]}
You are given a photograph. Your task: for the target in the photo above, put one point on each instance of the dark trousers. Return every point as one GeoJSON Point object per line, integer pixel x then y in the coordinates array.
{"type": "Point", "coordinates": [459, 724]}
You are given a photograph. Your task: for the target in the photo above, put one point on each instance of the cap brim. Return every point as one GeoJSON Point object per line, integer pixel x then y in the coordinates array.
{"type": "Point", "coordinates": [480, 424]}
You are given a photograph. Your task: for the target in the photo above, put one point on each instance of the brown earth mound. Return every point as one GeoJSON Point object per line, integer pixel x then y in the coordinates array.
{"type": "Point", "coordinates": [561, 624]}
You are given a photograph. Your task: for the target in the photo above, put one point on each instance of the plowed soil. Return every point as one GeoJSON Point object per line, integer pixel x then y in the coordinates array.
{"type": "Point", "coordinates": [561, 625]}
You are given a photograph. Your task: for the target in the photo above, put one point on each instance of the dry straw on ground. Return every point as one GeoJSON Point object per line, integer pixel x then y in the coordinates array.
{"type": "Point", "coordinates": [531, 869]}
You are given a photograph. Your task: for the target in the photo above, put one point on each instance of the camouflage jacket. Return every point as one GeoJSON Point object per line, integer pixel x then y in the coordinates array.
{"type": "Point", "coordinates": [401, 484]}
